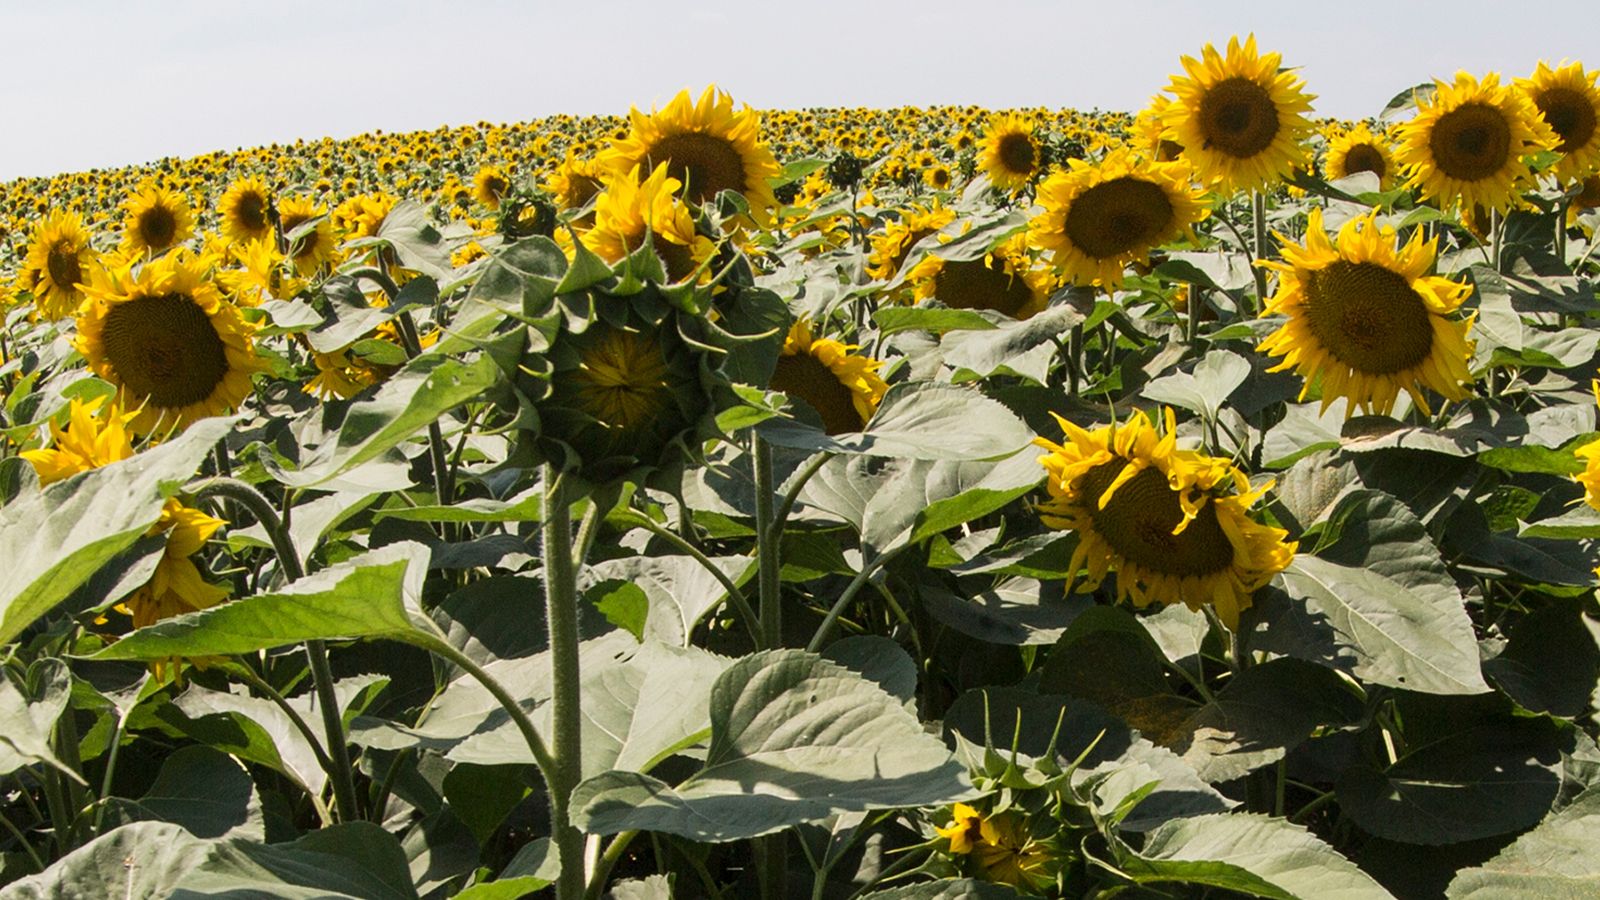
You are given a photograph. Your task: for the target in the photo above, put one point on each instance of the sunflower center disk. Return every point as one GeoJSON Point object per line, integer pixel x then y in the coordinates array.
{"type": "Point", "coordinates": [165, 348]}
{"type": "Point", "coordinates": [1471, 142]}
{"type": "Point", "coordinates": [1364, 158]}
{"type": "Point", "coordinates": [706, 164]}
{"type": "Point", "coordinates": [622, 381]}
{"type": "Point", "coordinates": [970, 284]}
{"type": "Point", "coordinates": [1118, 217]}
{"type": "Point", "coordinates": [1570, 115]}
{"type": "Point", "coordinates": [158, 227]}
{"type": "Point", "coordinates": [62, 263]}
{"type": "Point", "coordinates": [1016, 154]}
{"type": "Point", "coordinates": [1238, 117]}
{"type": "Point", "coordinates": [1138, 524]}
{"type": "Point", "coordinates": [1368, 317]}
{"type": "Point", "coordinates": [804, 377]}
{"type": "Point", "coordinates": [253, 212]}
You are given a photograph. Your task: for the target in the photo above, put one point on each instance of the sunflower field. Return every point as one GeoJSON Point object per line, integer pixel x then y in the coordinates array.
{"type": "Point", "coordinates": [856, 503]}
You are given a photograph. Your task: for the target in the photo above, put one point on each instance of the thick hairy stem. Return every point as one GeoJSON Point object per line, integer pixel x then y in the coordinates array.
{"type": "Point", "coordinates": [767, 557]}
{"type": "Point", "coordinates": [561, 617]}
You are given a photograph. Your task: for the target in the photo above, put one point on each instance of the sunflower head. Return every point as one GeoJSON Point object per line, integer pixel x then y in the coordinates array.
{"type": "Point", "coordinates": [1366, 319]}
{"type": "Point", "coordinates": [1173, 524]}
{"type": "Point", "coordinates": [1569, 101]}
{"type": "Point", "coordinates": [635, 211]}
{"type": "Point", "coordinates": [162, 334]}
{"type": "Point", "coordinates": [843, 388]}
{"type": "Point", "coordinates": [155, 219]}
{"type": "Point", "coordinates": [1239, 118]}
{"type": "Point", "coordinates": [1001, 847]}
{"type": "Point", "coordinates": [891, 249]}
{"type": "Point", "coordinates": [309, 231]}
{"type": "Point", "coordinates": [1469, 143]}
{"type": "Point", "coordinates": [1005, 280]}
{"type": "Point", "coordinates": [1359, 150]}
{"type": "Point", "coordinates": [1101, 217]}
{"type": "Point", "coordinates": [96, 435]}
{"type": "Point", "coordinates": [707, 145]}
{"type": "Point", "coordinates": [575, 182]}
{"type": "Point", "coordinates": [246, 211]}
{"type": "Point", "coordinates": [1009, 153]}
{"type": "Point", "coordinates": [489, 185]}
{"type": "Point", "coordinates": [58, 261]}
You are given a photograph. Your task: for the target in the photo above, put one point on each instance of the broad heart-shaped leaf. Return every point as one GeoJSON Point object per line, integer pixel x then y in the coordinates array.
{"type": "Point", "coordinates": [206, 792]}
{"type": "Point", "coordinates": [1205, 389]}
{"type": "Point", "coordinates": [363, 597]}
{"type": "Point", "coordinates": [26, 723]}
{"type": "Point", "coordinates": [1372, 626]}
{"type": "Point", "coordinates": [1373, 530]}
{"type": "Point", "coordinates": [1555, 860]}
{"type": "Point", "coordinates": [1253, 854]}
{"type": "Point", "coordinates": [1551, 663]}
{"type": "Point", "coordinates": [1264, 712]}
{"type": "Point", "coordinates": [984, 352]}
{"type": "Point", "coordinates": [918, 420]}
{"type": "Point", "coordinates": [1019, 611]}
{"type": "Point", "coordinates": [54, 540]}
{"type": "Point", "coordinates": [794, 738]}
{"type": "Point", "coordinates": [160, 859]}
{"type": "Point", "coordinates": [893, 502]}
{"type": "Point", "coordinates": [678, 589]}
{"type": "Point", "coordinates": [427, 388]}
{"type": "Point", "coordinates": [638, 712]}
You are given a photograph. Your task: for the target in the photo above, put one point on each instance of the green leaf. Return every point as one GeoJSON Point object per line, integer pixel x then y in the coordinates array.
{"type": "Point", "coordinates": [638, 712]}
{"type": "Point", "coordinates": [1375, 627]}
{"type": "Point", "coordinates": [1249, 853]}
{"type": "Point", "coordinates": [427, 388]}
{"type": "Point", "coordinates": [679, 591]}
{"type": "Point", "coordinates": [524, 507]}
{"type": "Point", "coordinates": [54, 540]}
{"type": "Point", "coordinates": [363, 597]}
{"type": "Point", "coordinates": [1262, 713]}
{"type": "Point", "coordinates": [891, 319]}
{"type": "Point", "coordinates": [206, 792]}
{"type": "Point", "coordinates": [27, 722]}
{"type": "Point", "coordinates": [1017, 611]}
{"type": "Point", "coordinates": [947, 889]}
{"type": "Point", "coordinates": [1552, 663]}
{"type": "Point", "coordinates": [794, 738]}
{"type": "Point", "coordinates": [1204, 390]}
{"type": "Point", "coordinates": [1554, 860]}
{"type": "Point", "coordinates": [536, 866]}
{"type": "Point", "coordinates": [143, 859]}
{"type": "Point", "coordinates": [985, 352]}
{"type": "Point", "coordinates": [918, 420]}
{"type": "Point", "coordinates": [1582, 521]}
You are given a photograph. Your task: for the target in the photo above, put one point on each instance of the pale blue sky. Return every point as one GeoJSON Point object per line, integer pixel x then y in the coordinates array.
{"type": "Point", "coordinates": [100, 83]}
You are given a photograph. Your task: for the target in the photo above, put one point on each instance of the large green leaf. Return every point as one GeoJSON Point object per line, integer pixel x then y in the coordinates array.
{"type": "Point", "coordinates": [678, 590]}
{"type": "Point", "coordinates": [54, 540]}
{"type": "Point", "coordinates": [364, 597]}
{"type": "Point", "coordinates": [26, 722]}
{"type": "Point", "coordinates": [206, 792]}
{"type": "Point", "coordinates": [1264, 712]}
{"type": "Point", "coordinates": [1019, 611]}
{"type": "Point", "coordinates": [1555, 861]}
{"type": "Point", "coordinates": [1252, 854]}
{"type": "Point", "coordinates": [794, 738]}
{"type": "Point", "coordinates": [1206, 388]}
{"type": "Point", "coordinates": [427, 388]}
{"type": "Point", "coordinates": [918, 420]}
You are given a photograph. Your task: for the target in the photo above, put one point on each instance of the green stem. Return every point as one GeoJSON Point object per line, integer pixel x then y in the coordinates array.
{"type": "Point", "coordinates": [295, 719]}
{"type": "Point", "coordinates": [561, 617]}
{"type": "Point", "coordinates": [780, 519]}
{"type": "Point", "coordinates": [752, 622]}
{"type": "Point", "coordinates": [1496, 226]}
{"type": "Point", "coordinates": [67, 750]}
{"type": "Point", "coordinates": [1305, 811]}
{"type": "Point", "coordinates": [339, 766]}
{"type": "Point", "coordinates": [38, 862]}
{"type": "Point", "coordinates": [1258, 218]}
{"type": "Point", "coordinates": [112, 753]}
{"type": "Point", "coordinates": [843, 603]}
{"type": "Point", "coordinates": [767, 555]}
{"type": "Point", "coordinates": [608, 861]}
{"type": "Point", "coordinates": [60, 818]}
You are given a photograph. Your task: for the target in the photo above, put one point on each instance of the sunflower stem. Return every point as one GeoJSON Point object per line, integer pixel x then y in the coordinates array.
{"type": "Point", "coordinates": [752, 621]}
{"type": "Point", "coordinates": [1561, 230]}
{"type": "Point", "coordinates": [1258, 219]}
{"type": "Point", "coordinates": [339, 769]}
{"type": "Point", "coordinates": [1495, 238]}
{"type": "Point", "coordinates": [561, 618]}
{"type": "Point", "coordinates": [767, 534]}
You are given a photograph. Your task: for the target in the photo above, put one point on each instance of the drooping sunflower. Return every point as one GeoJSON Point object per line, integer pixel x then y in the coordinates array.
{"type": "Point", "coordinates": [1005, 280]}
{"type": "Point", "coordinates": [155, 220]}
{"type": "Point", "coordinates": [489, 185]}
{"type": "Point", "coordinates": [59, 259]}
{"type": "Point", "coordinates": [1149, 130]}
{"type": "Point", "coordinates": [632, 211]}
{"type": "Point", "coordinates": [165, 337]}
{"type": "Point", "coordinates": [707, 146]}
{"type": "Point", "coordinates": [1569, 101]}
{"type": "Point", "coordinates": [1174, 524]}
{"type": "Point", "coordinates": [1367, 319]}
{"type": "Point", "coordinates": [1009, 153]}
{"type": "Point", "coordinates": [315, 247]}
{"type": "Point", "coordinates": [842, 387]}
{"type": "Point", "coordinates": [96, 435]}
{"type": "Point", "coordinates": [246, 211]}
{"type": "Point", "coordinates": [575, 182]}
{"type": "Point", "coordinates": [1002, 849]}
{"type": "Point", "coordinates": [890, 249]}
{"type": "Point", "coordinates": [1470, 142]}
{"type": "Point", "coordinates": [261, 275]}
{"type": "Point", "coordinates": [1359, 150]}
{"type": "Point", "coordinates": [1239, 118]}
{"type": "Point", "coordinates": [1100, 218]}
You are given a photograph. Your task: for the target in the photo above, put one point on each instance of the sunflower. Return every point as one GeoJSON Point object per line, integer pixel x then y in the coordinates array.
{"type": "Point", "coordinates": [1589, 453]}
{"type": "Point", "coordinates": [631, 212]}
{"type": "Point", "coordinates": [317, 245]}
{"type": "Point", "coordinates": [155, 219]}
{"type": "Point", "coordinates": [1163, 518]}
{"type": "Point", "coordinates": [1005, 281]}
{"type": "Point", "coordinates": [1366, 317]}
{"type": "Point", "coordinates": [707, 146]}
{"type": "Point", "coordinates": [261, 276]}
{"type": "Point", "coordinates": [1469, 143]}
{"type": "Point", "coordinates": [246, 211]}
{"type": "Point", "coordinates": [842, 387]}
{"type": "Point", "coordinates": [1239, 118]}
{"type": "Point", "coordinates": [575, 182]}
{"type": "Point", "coordinates": [1100, 218]}
{"type": "Point", "coordinates": [58, 260]}
{"type": "Point", "coordinates": [489, 185]}
{"type": "Point", "coordinates": [890, 249]}
{"type": "Point", "coordinates": [165, 337]}
{"type": "Point", "coordinates": [1359, 150]}
{"type": "Point", "coordinates": [1569, 101]}
{"type": "Point", "coordinates": [1008, 152]}
{"type": "Point", "coordinates": [1001, 848]}
{"type": "Point", "coordinates": [1148, 131]}
{"type": "Point", "coordinates": [96, 435]}
{"type": "Point", "coordinates": [938, 177]}
{"type": "Point", "coordinates": [363, 215]}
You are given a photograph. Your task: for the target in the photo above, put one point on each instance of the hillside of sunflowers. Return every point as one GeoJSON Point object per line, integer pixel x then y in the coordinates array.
{"type": "Point", "coordinates": [714, 502]}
